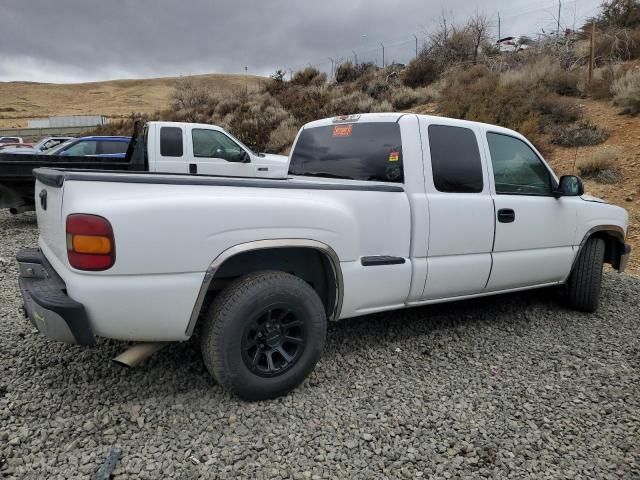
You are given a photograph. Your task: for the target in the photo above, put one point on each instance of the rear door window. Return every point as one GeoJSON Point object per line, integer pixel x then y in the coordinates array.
{"type": "Point", "coordinates": [82, 148]}
{"type": "Point", "coordinates": [109, 146]}
{"type": "Point", "coordinates": [455, 159]}
{"type": "Point", "coordinates": [171, 142]}
{"type": "Point", "coordinates": [357, 151]}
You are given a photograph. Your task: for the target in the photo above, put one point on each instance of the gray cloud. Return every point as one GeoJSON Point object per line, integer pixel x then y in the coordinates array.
{"type": "Point", "coordinates": [82, 40]}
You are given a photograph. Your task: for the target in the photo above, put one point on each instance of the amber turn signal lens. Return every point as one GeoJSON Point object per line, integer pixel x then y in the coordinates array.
{"type": "Point", "coordinates": [91, 244]}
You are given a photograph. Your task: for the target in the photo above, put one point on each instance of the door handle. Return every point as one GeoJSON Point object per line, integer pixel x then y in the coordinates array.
{"type": "Point", "coordinates": [193, 168]}
{"type": "Point", "coordinates": [506, 215]}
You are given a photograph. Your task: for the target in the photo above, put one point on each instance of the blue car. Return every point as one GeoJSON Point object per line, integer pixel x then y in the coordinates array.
{"type": "Point", "coordinates": [106, 147]}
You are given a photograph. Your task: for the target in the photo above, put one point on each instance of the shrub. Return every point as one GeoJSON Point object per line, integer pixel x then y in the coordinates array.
{"type": "Point", "coordinates": [601, 167]}
{"type": "Point", "coordinates": [348, 72]}
{"type": "Point", "coordinates": [626, 90]}
{"type": "Point", "coordinates": [603, 78]}
{"type": "Point", "coordinates": [354, 102]}
{"type": "Point", "coordinates": [309, 76]}
{"type": "Point", "coordinates": [545, 72]}
{"type": "Point", "coordinates": [383, 106]}
{"type": "Point", "coordinates": [557, 109]}
{"type": "Point", "coordinates": [306, 104]}
{"type": "Point", "coordinates": [189, 92]}
{"type": "Point", "coordinates": [420, 72]}
{"type": "Point", "coordinates": [281, 139]}
{"type": "Point", "coordinates": [378, 89]}
{"type": "Point", "coordinates": [579, 134]}
{"type": "Point", "coordinates": [403, 98]}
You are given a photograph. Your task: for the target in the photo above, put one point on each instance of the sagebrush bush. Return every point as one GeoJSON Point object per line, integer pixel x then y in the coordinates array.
{"type": "Point", "coordinates": [283, 136]}
{"type": "Point", "coordinates": [309, 76]}
{"type": "Point", "coordinates": [354, 102]}
{"type": "Point", "coordinates": [580, 134]}
{"type": "Point", "coordinates": [601, 166]}
{"type": "Point", "coordinates": [403, 98]}
{"type": "Point", "coordinates": [626, 91]}
{"type": "Point", "coordinates": [189, 92]}
{"type": "Point", "coordinates": [544, 71]}
{"type": "Point", "coordinates": [557, 109]}
{"type": "Point", "coordinates": [348, 72]}
{"type": "Point", "coordinates": [420, 72]}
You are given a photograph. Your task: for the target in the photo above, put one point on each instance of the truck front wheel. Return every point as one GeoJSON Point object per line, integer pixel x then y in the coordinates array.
{"type": "Point", "coordinates": [583, 286]}
{"type": "Point", "coordinates": [263, 334]}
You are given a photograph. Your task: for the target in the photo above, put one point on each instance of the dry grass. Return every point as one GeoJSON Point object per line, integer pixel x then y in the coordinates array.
{"type": "Point", "coordinates": [601, 166]}
{"type": "Point", "coordinates": [22, 101]}
{"type": "Point", "coordinates": [626, 90]}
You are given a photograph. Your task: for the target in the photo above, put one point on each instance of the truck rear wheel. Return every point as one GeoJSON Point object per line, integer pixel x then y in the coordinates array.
{"type": "Point", "coordinates": [583, 286]}
{"type": "Point", "coordinates": [263, 334]}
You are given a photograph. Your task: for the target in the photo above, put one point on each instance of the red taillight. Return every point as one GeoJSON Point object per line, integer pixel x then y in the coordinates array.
{"type": "Point", "coordinates": [90, 244]}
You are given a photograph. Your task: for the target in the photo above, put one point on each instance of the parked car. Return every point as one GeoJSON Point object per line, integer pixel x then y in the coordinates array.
{"type": "Point", "coordinates": [10, 140]}
{"type": "Point", "coordinates": [380, 212]}
{"type": "Point", "coordinates": [42, 146]}
{"type": "Point", "coordinates": [96, 146]}
{"type": "Point", "coordinates": [20, 147]}
{"type": "Point", "coordinates": [165, 147]}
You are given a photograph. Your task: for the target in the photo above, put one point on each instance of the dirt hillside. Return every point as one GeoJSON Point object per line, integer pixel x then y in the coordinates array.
{"type": "Point", "coordinates": [21, 101]}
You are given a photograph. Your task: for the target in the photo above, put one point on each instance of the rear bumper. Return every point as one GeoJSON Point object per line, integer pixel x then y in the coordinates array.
{"type": "Point", "coordinates": [46, 303]}
{"type": "Point", "coordinates": [624, 257]}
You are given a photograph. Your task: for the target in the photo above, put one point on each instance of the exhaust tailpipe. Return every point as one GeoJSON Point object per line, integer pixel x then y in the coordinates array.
{"type": "Point", "coordinates": [21, 209]}
{"type": "Point", "coordinates": [135, 355]}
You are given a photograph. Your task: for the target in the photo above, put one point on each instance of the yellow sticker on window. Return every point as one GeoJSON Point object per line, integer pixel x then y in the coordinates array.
{"type": "Point", "coordinates": [394, 156]}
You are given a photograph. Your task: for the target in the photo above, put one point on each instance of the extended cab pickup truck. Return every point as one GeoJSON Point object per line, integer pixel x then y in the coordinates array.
{"type": "Point", "coordinates": [173, 147]}
{"type": "Point", "coordinates": [379, 212]}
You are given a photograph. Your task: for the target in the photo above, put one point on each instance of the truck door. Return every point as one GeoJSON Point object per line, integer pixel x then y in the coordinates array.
{"type": "Point", "coordinates": [461, 220]}
{"type": "Point", "coordinates": [169, 155]}
{"type": "Point", "coordinates": [534, 230]}
{"type": "Point", "coordinates": [213, 152]}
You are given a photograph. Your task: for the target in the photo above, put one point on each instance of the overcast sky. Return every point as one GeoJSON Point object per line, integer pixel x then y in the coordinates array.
{"type": "Point", "coordinates": [87, 40]}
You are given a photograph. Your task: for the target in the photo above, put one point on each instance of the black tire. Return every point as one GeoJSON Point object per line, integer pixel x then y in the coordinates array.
{"type": "Point", "coordinates": [583, 286]}
{"type": "Point", "coordinates": [249, 320]}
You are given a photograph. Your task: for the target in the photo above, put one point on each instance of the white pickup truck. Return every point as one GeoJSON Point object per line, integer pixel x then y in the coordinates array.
{"type": "Point", "coordinates": [172, 147]}
{"type": "Point", "coordinates": [379, 212]}
{"type": "Point", "coordinates": [198, 148]}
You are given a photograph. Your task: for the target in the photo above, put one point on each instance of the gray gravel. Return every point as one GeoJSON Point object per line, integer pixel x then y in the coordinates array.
{"type": "Point", "coordinates": [511, 386]}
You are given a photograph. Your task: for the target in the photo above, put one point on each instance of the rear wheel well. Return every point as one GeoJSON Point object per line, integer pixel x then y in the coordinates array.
{"type": "Point", "coordinates": [310, 264]}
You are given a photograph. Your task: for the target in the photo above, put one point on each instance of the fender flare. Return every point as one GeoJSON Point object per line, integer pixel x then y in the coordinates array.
{"type": "Point", "coordinates": [614, 230]}
{"type": "Point", "coordinates": [230, 252]}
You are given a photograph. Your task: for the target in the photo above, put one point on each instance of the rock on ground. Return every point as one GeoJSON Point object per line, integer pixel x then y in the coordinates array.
{"type": "Point", "coordinates": [510, 386]}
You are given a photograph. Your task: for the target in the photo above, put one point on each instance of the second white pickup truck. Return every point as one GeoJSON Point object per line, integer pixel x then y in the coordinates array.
{"type": "Point", "coordinates": [379, 212]}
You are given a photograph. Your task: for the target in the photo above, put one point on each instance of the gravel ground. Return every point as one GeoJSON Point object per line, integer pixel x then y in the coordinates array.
{"type": "Point", "coordinates": [510, 386]}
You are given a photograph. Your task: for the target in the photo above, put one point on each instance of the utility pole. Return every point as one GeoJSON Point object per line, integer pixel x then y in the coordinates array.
{"type": "Point", "coordinates": [332, 64]}
{"type": "Point", "coordinates": [416, 37]}
{"type": "Point", "coordinates": [559, 10]}
{"type": "Point", "coordinates": [246, 81]}
{"type": "Point", "coordinates": [591, 51]}
{"type": "Point", "coordinates": [499, 36]}
{"type": "Point", "coordinates": [383, 65]}
{"type": "Point", "coordinates": [355, 57]}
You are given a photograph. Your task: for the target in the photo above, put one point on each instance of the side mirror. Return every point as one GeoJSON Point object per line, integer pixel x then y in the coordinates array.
{"type": "Point", "coordinates": [570, 186]}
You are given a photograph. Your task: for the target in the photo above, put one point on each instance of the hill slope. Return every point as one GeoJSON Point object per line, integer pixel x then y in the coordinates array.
{"type": "Point", "coordinates": [21, 101]}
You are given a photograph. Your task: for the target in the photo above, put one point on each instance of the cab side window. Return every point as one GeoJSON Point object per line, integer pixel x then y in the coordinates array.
{"type": "Point", "coordinates": [171, 141]}
{"type": "Point", "coordinates": [214, 144]}
{"type": "Point", "coordinates": [517, 170]}
{"type": "Point", "coordinates": [455, 159]}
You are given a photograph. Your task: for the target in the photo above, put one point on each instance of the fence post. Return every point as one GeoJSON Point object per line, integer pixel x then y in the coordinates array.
{"type": "Point", "coordinates": [591, 51]}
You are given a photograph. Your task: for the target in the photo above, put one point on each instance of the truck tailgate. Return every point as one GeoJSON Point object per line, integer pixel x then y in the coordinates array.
{"type": "Point", "coordinates": [52, 238]}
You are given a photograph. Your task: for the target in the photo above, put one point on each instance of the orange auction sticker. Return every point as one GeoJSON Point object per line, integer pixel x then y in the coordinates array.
{"type": "Point", "coordinates": [342, 130]}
